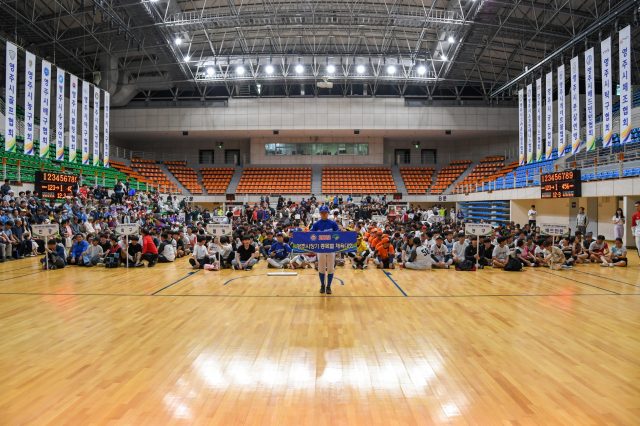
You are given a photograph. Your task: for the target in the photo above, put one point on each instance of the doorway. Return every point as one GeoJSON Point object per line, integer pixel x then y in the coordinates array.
{"type": "Point", "coordinates": [232, 156]}
{"type": "Point", "coordinates": [402, 156]}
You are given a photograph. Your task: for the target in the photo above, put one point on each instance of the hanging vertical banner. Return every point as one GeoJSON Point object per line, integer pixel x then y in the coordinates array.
{"type": "Point", "coordinates": [73, 117]}
{"type": "Point", "coordinates": [85, 123]}
{"type": "Point", "coordinates": [529, 125]}
{"type": "Point", "coordinates": [105, 147]}
{"type": "Point", "coordinates": [625, 85]}
{"type": "Point", "coordinates": [539, 119]}
{"type": "Point", "coordinates": [562, 142]}
{"type": "Point", "coordinates": [45, 94]}
{"type": "Point", "coordinates": [607, 128]}
{"type": "Point", "coordinates": [10, 101]}
{"type": "Point", "coordinates": [521, 125]}
{"type": "Point", "coordinates": [29, 102]}
{"type": "Point", "coordinates": [549, 88]}
{"type": "Point", "coordinates": [575, 106]}
{"type": "Point", "coordinates": [60, 116]}
{"type": "Point", "coordinates": [590, 107]}
{"type": "Point", "coordinates": [96, 125]}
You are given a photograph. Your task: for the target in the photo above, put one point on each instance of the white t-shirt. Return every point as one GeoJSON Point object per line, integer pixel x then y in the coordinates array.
{"type": "Point", "coordinates": [533, 214]}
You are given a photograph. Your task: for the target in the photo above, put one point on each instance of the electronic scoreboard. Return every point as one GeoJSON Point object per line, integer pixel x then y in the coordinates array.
{"type": "Point", "coordinates": [54, 185]}
{"type": "Point", "coordinates": [561, 184]}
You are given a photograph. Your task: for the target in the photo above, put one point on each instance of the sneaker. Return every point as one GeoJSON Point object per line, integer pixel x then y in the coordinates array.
{"type": "Point", "coordinates": [365, 266]}
{"type": "Point", "coordinates": [604, 264]}
{"type": "Point", "coordinates": [354, 266]}
{"type": "Point", "coordinates": [587, 261]}
{"type": "Point", "coordinates": [53, 267]}
{"type": "Point", "coordinates": [565, 267]}
{"type": "Point", "coordinates": [100, 264]}
{"type": "Point", "coordinates": [151, 264]}
{"type": "Point", "coordinates": [322, 288]}
{"type": "Point", "coordinates": [480, 266]}
{"type": "Point", "coordinates": [21, 257]}
{"type": "Point", "coordinates": [329, 289]}
{"type": "Point", "coordinates": [138, 264]}
{"type": "Point", "coordinates": [248, 268]}
{"type": "Point", "coordinates": [611, 265]}
{"type": "Point", "coordinates": [446, 266]}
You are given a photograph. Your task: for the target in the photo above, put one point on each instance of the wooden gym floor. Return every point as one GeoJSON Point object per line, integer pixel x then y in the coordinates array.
{"type": "Point", "coordinates": [170, 346]}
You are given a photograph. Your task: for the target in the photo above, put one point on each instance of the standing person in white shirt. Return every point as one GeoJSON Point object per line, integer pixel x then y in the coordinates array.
{"type": "Point", "coordinates": [618, 222]}
{"type": "Point", "coordinates": [533, 217]}
{"type": "Point", "coordinates": [582, 221]}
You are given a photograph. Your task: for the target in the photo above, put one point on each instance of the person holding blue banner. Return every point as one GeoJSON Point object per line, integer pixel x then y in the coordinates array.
{"type": "Point", "coordinates": [326, 261]}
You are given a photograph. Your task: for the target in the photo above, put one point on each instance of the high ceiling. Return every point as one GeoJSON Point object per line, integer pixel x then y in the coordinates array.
{"type": "Point", "coordinates": [194, 50]}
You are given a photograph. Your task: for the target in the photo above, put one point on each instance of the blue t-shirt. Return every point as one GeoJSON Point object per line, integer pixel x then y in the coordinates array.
{"type": "Point", "coordinates": [325, 225]}
{"type": "Point", "coordinates": [281, 250]}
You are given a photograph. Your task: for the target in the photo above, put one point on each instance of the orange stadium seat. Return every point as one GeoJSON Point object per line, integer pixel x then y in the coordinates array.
{"type": "Point", "coordinates": [417, 179]}
{"type": "Point", "coordinates": [275, 180]}
{"type": "Point", "coordinates": [216, 179]}
{"type": "Point", "coordinates": [357, 180]}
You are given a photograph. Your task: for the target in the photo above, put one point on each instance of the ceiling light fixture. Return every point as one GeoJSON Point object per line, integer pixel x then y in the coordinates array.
{"type": "Point", "coordinates": [451, 39]}
{"type": "Point", "coordinates": [360, 69]}
{"type": "Point", "coordinates": [391, 69]}
{"type": "Point", "coordinates": [444, 57]}
{"type": "Point", "coordinates": [269, 69]}
{"type": "Point", "coordinates": [210, 71]}
{"type": "Point", "coordinates": [186, 58]}
{"type": "Point", "coordinates": [240, 70]}
{"type": "Point", "coordinates": [299, 68]}
{"type": "Point", "coordinates": [178, 41]}
{"type": "Point", "coordinates": [421, 69]}
{"type": "Point", "coordinates": [331, 69]}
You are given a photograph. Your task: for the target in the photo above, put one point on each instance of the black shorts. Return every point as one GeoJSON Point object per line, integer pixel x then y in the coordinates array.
{"type": "Point", "coordinates": [619, 259]}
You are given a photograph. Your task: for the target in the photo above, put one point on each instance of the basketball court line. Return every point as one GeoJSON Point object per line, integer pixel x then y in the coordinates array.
{"type": "Point", "coordinates": [257, 275]}
{"type": "Point", "coordinates": [607, 278]}
{"type": "Point", "coordinates": [183, 278]}
{"type": "Point", "coordinates": [571, 279]}
{"type": "Point", "coordinates": [388, 274]}
{"type": "Point", "coordinates": [20, 276]}
{"type": "Point", "coordinates": [17, 269]}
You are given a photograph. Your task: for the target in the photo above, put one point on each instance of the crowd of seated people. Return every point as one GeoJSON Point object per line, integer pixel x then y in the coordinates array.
{"type": "Point", "coordinates": [411, 237]}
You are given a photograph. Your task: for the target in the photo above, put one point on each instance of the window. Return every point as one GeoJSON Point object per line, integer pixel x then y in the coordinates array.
{"type": "Point", "coordinates": [316, 148]}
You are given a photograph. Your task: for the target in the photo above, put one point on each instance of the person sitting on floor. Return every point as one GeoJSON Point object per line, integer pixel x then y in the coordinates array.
{"type": "Point", "coordinates": [54, 255]}
{"type": "Point", "coordinates": [166, 253]}
{"type": "Point", "coordinates": [246, 255]}
{"type": "Point", "coordinates": [501, 253]}
{"type": "Point", "coordinates": [419, 257]}
{"type": "Point", "coordinates": [279, 253]}
{"type": "Point", "coordinates": [385, 254]}
{"type": "Point", "coordinates": [440, 254]}
{"type": "Point", "coordinates": [618, 256]}
{"type": "Point", "coordinates": [359, 257]}
{"type": "Point", "coordinates": [92, 255]}
{"type": "Point", "coordinates": [149, 249]}
{"type": "Point", "coordinates": [79, 247]}
{"type": "Point", "coordinates": [199, 257]}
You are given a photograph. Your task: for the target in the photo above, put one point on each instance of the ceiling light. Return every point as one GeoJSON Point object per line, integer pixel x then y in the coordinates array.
{"type": "Point", "coordinates": [451, 39]}
{"type": "Point", "coordinates": [443, 57]}
{"type": "Point", "coordinates": [421, 69]}
{"type": "Point", "coordinates": [178, 41]}
{"type": "Point", "coordinates": [186, 58]}
{"type": "Point", "coordinates": [210, 71]}
{"type": "Point", "coordinates": [240, 70]}
{"type": "Point", "coordinates": [269, 69]}
{"type": "Point", "coordinates": [360, 69]}
{"type": "Point", "coordinates": [331, 69]}
{"type": "Point", "coordinates": [299, 69]}
{"type": "Point", "coordinates": [391, 69]}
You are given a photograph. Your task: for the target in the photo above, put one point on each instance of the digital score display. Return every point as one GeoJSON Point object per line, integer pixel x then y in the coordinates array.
{"type": "Point", "coordinates": [52, 185]}
{"type": "Point", "coordinates": [561, 184]}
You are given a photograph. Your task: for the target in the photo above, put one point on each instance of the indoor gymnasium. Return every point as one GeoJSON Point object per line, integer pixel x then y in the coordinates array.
{"type": "Point", "coordinates": [375, 212]}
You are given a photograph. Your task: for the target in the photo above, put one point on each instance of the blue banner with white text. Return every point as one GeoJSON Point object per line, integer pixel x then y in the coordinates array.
{"type": "Point", "coordinates": [324, 242]}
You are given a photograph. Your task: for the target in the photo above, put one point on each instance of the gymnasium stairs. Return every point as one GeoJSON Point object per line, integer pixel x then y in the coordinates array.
{"type": "Point", "coordinates": [235, 180]}
{"type": "Point", "coordinates": [397, 179]}
{"type": "Point", "coordinates": [172, 178]}
{"type": "Point", "coordinates": [466, 173]}
{"type": "Point", "coordinates": [316, 181]}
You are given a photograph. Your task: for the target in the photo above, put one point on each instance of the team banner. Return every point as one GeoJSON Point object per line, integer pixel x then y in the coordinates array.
{"type": "Point", "coordinates": [607, 128]}
{"type": "Point", "coordinates": [575, 106]}
{"type": "Point", "coordinates": [549, 122]}
{"type": "Point", "coordinates": [562, 142]}
{"type": "Point", "coordinates": [29, 102]}
{"type": "Point", "coordinates": [127, 228]}
{"type": "Point", "coordinates": [73, 117]}
{"type": "Point", "coordinates": [324, 242]}
{"type": "Point", "coordinates": [554, 230]}
{"type": "Point", "coordinates": [96, 125]}
{"type": "Point", "coordinates": [379, 218]}
{"type": "Point", "coordinates": [539, 119]}
{"type": "Point", "coordinates": [590, 107]}
{"type": "Point", "coordinates": [625, 85]}
{"type": "Point", "coordinates": [105, 146]}
{"type": "Point", "coordinates": [11, 84]}
{"type": "Point", "coordinates": [46, 230]}
{"type": "Point", "coordinates": [529, 124]}
{"type": "Point", "coordinates": [85, 123]}
{"type": "Point", "coordinates": [521, 125]}
{"type": "Point", "coordinates": [60, 116]}
{"type": "Point", "coordinates": [45, 110]}
{"type": "Point", "coordinates": [218, 230]}
{"type": "Point", "coordinates": [478, 229]}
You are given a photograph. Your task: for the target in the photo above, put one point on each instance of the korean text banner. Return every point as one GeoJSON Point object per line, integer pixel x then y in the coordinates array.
{"type": "Point", "coordinates": [11, 84]}
{"type": "Point", "coordinates": [218, 230]}
{"type": "Point", "coordinates": [529, 124]}
{"type": "Point", "coordinates": [607, 128]}
{"type": "Point", "coordinates": [45, 109]}
{"type": "Point", "coordinates": [590, 107]}
{"type": "Point", "coordinates": [521, 126]}
{"type": "Point", "coordinates": [539, 149]}
{"type": "Point", "coordinates": [625, 85]}
{"type": "Point", "coordinates": [575, 106]}
{"type": "Point", "coordinates": [29, 102]}
{"type": "Point", "coordinates": [554, 230]}
{"type": "Point", "coordinates": [96, 125]}
{"type": "Point", "coordinates": [562, 140]}
{"type": "Point", "coordinates": [73, 116]}
{"type": "Point", "coordinates": [324, 242]}
{"type": "Point", "coordinates": [105, 145]}
{"type": "Point", "coordinates": [549, 123]}
{"type": "Point", "coordinates": [479, 229]}
{"type": "Point", "coordinates": [85, 122]}
{"type": "Point", "coordinates": [60, 115]}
